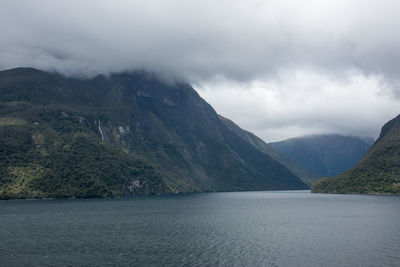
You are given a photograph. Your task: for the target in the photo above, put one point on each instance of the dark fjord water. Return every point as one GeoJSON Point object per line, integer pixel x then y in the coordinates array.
{"type": "Point", "coordinates": [226, 229]}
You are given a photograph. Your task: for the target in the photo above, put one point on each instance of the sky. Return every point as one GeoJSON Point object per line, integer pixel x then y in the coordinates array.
{"type": "Point", "coordinates": [278, 68]}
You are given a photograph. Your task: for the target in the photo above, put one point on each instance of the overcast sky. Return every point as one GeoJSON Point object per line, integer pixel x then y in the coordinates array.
{"type": "Point", "coordinates": [278, 68]}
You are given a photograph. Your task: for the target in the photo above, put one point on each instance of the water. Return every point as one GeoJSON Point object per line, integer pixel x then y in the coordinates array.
{"type": "Point", "coordinates": [225, 229]}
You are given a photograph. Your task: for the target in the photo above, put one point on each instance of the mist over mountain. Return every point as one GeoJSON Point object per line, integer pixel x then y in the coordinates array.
{"type": "Point", "coordinates": [247, 58]}
{"type": "Point", "coordinates": [325, 155]}
{"type": "Point", "coordinates": [129, 133]}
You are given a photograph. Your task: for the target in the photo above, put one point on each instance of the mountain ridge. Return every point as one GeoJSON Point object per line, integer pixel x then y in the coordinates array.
{"type": "Point", "coordinates": [295, 167]}
{"type": "Point", "coordinates": [167, 127]}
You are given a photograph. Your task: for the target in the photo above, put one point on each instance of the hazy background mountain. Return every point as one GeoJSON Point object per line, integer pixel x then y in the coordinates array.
{"type": "Point", "coordinates": [377, 172]}
{"type": "Point", "coordinates": [57, 130]}
{"type": "Point", "coordinates": [325, 155]}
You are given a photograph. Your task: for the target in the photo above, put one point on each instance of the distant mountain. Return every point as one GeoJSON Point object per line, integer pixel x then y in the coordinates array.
{"type": "Point", "coordinates": [377, 172]}
{"type": "Point", "coordinates": [295, 167]}
{"type": "Point", "coordinates": [129, 133]}
{"type": "Point", "coordinates": [325, 155]}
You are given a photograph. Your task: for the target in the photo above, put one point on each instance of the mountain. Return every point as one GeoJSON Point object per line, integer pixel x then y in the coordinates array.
{"type": "Point", "coordinates": [377, 172]}
{"type": "Point", "coordinates": [325, 155]}
{"type": "Point", "coordinates": [128, 133]}
{"type": "Point", "coordinates": [295, 167]}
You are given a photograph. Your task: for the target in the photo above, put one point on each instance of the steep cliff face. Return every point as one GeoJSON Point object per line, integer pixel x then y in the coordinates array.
{"type": "Point", "coordinates": [165, 126]}
{"type": "Point", "coordinates": [377, 172]}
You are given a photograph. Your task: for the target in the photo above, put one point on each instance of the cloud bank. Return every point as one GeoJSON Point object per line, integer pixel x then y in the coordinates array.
{"type": "Point", "coordinates": [237, 39]}
{"type": "Point", "coordinates": [305, 102]}
{"type": "Point", "coordinates": [300, 65]}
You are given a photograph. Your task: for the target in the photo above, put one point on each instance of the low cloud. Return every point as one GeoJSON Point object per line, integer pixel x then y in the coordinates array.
{"type": "Point", "coordinates": [306, 102]}
{"type": "Point", "coordinates": [241, 40]}
{"type": "Point", "coordinates": [301, 66]}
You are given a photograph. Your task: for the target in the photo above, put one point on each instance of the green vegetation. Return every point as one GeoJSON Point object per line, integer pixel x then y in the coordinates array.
{"type": "Point", "coordinates": [63, 158]}
{"type": "Point", "coordinates": [129, 133]}
{"type": "Point", "coordinates": [377, 173]}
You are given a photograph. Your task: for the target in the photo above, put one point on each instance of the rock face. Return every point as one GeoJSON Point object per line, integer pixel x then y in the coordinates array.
{"type": "Point", "coordinates": [377, 173]}
{"type": "Point", "coordinates": [325, 155]}
{"type": "Point", "coordinates": [130, 133]}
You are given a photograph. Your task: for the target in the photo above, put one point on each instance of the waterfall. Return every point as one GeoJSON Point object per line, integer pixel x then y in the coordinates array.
{"type": "Point", "coordinates": [101, 131]}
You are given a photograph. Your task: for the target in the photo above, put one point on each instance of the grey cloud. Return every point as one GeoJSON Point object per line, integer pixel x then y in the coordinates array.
{"type": "Point", "coordinates": [344, 51]}
{"type": "Point", "coordinates": [306, 102]}
{"type": "Point", "coordinates": [241, 40]}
